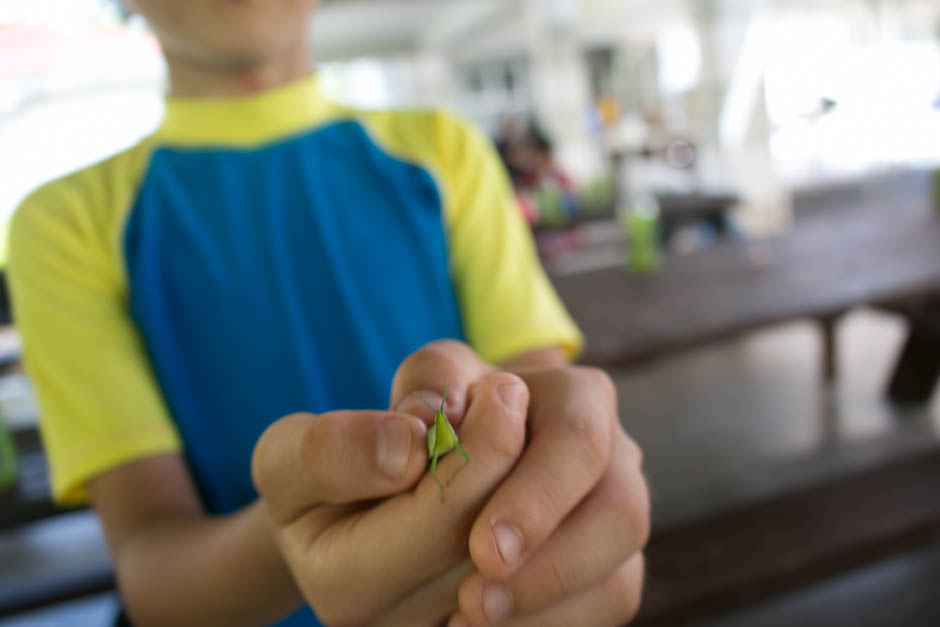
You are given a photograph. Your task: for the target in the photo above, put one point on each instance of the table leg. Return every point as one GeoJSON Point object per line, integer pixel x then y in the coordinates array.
{"type": "Point", "coordinates": [830, 366]}
{"type": "Point", "coordinates": [918, 367]}
{"type": "Point", "coordinates": [719, 221]}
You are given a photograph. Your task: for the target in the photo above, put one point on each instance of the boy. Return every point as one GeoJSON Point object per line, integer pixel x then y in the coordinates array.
{"type": "Point", "coordinates": [267, 252]}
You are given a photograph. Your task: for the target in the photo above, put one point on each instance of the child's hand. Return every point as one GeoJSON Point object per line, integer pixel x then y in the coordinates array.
{"type": "Point", "coordinates": [399, 560]}
{"type": "Point", "coordinates": [573, 515]}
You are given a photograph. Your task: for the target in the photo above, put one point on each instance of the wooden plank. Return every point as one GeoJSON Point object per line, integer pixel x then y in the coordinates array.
{"type": "Point", "coordinates": [755, 551]}
{"type": "Point", "coordinates": [29, 500]}
{"type": "Point", "coordinates": [19, 599]}
{"type": "Point", "coordinates": [829, 264]}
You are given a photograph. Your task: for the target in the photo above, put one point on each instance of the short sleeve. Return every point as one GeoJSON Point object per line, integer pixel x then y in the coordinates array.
{"type": "Point", "coordinates": [99, 403]}
{"type": "Point", "coordinates": [507, 303]}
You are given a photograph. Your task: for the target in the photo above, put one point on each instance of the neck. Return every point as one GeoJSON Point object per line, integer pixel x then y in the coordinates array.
{"type": "Point", "coordinates": [191, 80]}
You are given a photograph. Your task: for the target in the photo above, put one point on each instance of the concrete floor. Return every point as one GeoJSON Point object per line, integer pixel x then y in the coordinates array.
{"type": "Point", "coordinates": [719, 425]}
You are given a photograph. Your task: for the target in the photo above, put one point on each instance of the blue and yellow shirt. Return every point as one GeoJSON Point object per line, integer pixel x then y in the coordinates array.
{"type": "Point", "coordinates": [255, 257]}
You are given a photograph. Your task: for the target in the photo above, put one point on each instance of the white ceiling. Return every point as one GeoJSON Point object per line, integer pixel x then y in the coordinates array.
{"type": "Point", "coordinates": [344, 29]}
{"type": "Point", "coordinates": [348, 28]}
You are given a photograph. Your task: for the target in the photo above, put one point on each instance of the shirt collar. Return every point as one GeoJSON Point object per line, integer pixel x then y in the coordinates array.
{"type": "Point", "coordinates": [244, 120]}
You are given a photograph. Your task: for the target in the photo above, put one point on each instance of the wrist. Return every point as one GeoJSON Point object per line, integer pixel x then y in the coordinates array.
{"type": "Point", "coordinates": [271, 556]}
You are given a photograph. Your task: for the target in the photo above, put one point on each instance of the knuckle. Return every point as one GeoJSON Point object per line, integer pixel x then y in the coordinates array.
{"type": "Point", "coordinates": [599, 380]}
{"type": "Point", "coordinates": [265, 453]}
{"type": "Point", "coordinates": [505, 452]}
{"type": "Point", "coordinates": [590, 438]}
{"type": "Point", "coordinates": [546, 497]}
{"type": "Point", "coordinates": [638, 517]}
{"type": "Point", "coordinates": [447, 347]}
{"type": "Point", "coordinates": [506, 434]}
{"type": "Point", "coordinates": [440, 360]}
{"type": "Point", "coordinates": [415, 362]}
{"type": "Point", "coordinates": [501, 377]}
{"type": "Point", "coordinates": [436, 353]}
{"type": "Point", "coordinates": [558, 586]}
{"type": "Point", "coordinates": [321, 451]}
{"type": "Point", "coordinates": [635, 529]}
{"type": "Point", "coordinates": [625, 591]}
{"type": "Point", "coordinates": [259, 462]}
{"type": "Point", "coordinates": [505, 441]}
{"type": "Point", "coordinates": [564, 578]}
{"type": "Point", "coordinates": [633, 451]}
{"type": "Point", "coordinates": [336, 606]}
{"type": "Point", "coordinates": [630, 503]}
{"type": "Point", "coordinates": [492, 384]}
{"type": "Point", "coordinates": [311, 444]}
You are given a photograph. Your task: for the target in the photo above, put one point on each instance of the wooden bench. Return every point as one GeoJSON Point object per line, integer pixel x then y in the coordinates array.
{"type": "Point", "coordinates": [831, 262]}
{"type": "Point", "coordinates": [724, 561]}
{"type": "Point", "coordinates": [28, 502]}
{"type": "Point", "coordinates": [752, 552]}
{"type": "Point", "coordinates": [880, 255]}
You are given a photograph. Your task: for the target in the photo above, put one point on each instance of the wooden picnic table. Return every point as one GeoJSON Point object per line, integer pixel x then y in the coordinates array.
{"type": "Point", "coordinates": [879, 255]}
{"type": "Point", "coordinates": [760, 549]}
{"type": "Point", "coordinates": [676, 209]}
{"type": "Point", "coordinates": [28, 500]}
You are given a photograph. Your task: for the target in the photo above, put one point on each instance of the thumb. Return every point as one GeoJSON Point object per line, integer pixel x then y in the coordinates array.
{"type": "Point", "coordinates": [305, 460]}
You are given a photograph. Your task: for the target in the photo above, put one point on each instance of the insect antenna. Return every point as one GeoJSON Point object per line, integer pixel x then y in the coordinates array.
{"type": "Point", "coordinates": [427, 403]}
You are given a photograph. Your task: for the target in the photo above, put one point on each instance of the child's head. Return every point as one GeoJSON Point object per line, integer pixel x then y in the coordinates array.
{"type": "Point", "coordinates": [227, 35]}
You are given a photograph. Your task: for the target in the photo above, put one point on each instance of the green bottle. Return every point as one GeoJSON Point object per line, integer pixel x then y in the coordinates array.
{"type": "Point", "coordinates": [936, 190]}
{"type": "Point", "coordinates": [7, 458]}
{"type": "Point", "coordinates": [640, 223]}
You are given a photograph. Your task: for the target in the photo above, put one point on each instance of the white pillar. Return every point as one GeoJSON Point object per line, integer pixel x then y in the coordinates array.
{"type": "Point", "coordinates": [560, 83]}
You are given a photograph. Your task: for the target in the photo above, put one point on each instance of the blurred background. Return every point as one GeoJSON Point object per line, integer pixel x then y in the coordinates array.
{"type": "Point", "coordinates": [737, 200]}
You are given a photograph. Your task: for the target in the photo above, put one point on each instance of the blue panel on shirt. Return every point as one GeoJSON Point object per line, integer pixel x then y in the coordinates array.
{"type": "Point", "coordinates": [292, 277]}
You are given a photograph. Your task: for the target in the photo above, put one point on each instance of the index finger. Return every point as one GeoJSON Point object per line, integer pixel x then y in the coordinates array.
{"type": "Point", "coordinates": [571, 418]}
{"type": "Point", "coordinates": [431, 368]}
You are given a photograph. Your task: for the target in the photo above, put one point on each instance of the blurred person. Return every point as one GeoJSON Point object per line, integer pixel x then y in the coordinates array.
{"type": "Point", "coordinates": [512, 145]}
{"type": "Point", "coordinates": [544, 192]}
{"type": "Point", "coordinates": [226, 325]}
{"type": "Point", "coordinates": [512, 135]}
{"type": "Point", "coordinates": [549, 174]}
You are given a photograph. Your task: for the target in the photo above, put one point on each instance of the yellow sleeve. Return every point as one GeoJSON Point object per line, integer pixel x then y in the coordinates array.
{"type": "Point", "coordinates": [100, 405]}
{"type": "Point", "coordinates": [507, 303]}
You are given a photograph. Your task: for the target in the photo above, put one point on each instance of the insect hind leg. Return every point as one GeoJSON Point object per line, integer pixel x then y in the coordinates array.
{"type": "Point", "coordinates": [434, 476]}
{"type": "Point", "coordinates": [466, 460]}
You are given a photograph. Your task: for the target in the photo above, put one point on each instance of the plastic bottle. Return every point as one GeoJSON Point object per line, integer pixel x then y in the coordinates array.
{"type": "Point", "coordinates": [639, 220]}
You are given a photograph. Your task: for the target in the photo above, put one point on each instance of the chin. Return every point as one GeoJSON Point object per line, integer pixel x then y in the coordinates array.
{"type": "Point", "coordinates": [246, 52]}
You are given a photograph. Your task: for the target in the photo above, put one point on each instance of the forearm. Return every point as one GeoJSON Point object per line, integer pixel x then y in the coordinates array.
{"type": "Point", "coordinates": [182, 570]}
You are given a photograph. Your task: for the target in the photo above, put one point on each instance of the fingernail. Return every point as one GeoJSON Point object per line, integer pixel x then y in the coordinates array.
{"type": "Point", "coordinates": [393, 447]}
{"type": "Point", "coordinates": [508, 542]}
{"type": "Point", "coordinates": [513, 395]}
{"type": "Point", "coordinates": [497, 604]}
{"type": "Point", "coordinates": [413, 405]}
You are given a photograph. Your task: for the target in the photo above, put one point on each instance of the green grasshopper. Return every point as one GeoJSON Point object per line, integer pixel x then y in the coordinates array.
{"type": "Point", "coordinates": [442, 439]}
